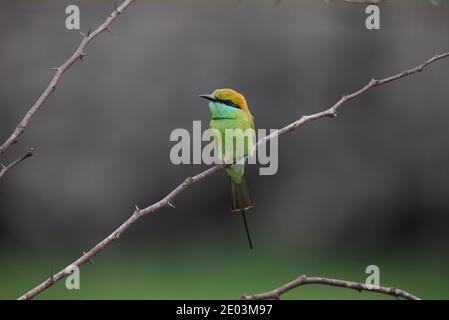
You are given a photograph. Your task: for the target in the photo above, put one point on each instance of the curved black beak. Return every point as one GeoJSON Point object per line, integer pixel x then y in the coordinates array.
{"type": "Point", "coordinates": [209, 97]}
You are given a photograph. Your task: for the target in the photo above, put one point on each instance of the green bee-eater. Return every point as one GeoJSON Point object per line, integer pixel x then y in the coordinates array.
{"type": "Point", "coordinates": [231, 119]}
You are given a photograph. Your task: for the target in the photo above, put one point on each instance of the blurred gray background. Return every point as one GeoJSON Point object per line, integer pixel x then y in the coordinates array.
{"type": "Point", "coordinates": [377, 177]}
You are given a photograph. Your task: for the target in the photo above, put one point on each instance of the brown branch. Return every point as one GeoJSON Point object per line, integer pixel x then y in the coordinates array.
{"type": "Point", "coordinates": [332, 111]}
{"type": "Point", "coordinates": [168, 200]}
{"type": "Point", "coordinates": [303, 280]}
{"type": "Point", "coordinates": [4, 169]}
{"type": "Point", "coordinates": [77, 55]}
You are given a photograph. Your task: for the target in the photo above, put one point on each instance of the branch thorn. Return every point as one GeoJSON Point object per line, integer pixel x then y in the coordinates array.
{"type": "Point", "coordinates": [90, 260]}
{"type": "Point", "coordinates": [52, 278]}
{"type": "Point", "coordinates": [29, 153]}
{"type": "Point", "coordinates": [171, 204]}
{"type": "Point", "coordinates": [332, 114]}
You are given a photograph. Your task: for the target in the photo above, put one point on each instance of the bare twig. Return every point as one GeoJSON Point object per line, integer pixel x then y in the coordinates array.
{"type": "Point", "coordinates": [303, 280]}
{"type": "Point", "coordinates": [169, 199]}
{"type": "Point", "coordinates": [77, 55]}
{"type": "Point", "coordinates": [4, 169]}
{"type": "Point", "coordinates": [137, 214]}
{"type": "Point", "coordinates": [332, 111]}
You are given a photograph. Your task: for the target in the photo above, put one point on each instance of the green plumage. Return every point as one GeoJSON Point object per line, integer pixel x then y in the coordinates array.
{"type": "Point", "coordinates": [225, 117]}
{"type": "Point", "coordinates": [240, 198]}
{"type": "Point", "coordinates": [233, 132]}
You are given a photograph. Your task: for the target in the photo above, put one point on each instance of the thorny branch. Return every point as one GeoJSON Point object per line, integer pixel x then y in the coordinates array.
{"type": "Point", "coordinates": [303, 280]}
{"type": "Point", "coordinates": [77, 55]}
{"type": "Point", "coordinates": [168, 200]}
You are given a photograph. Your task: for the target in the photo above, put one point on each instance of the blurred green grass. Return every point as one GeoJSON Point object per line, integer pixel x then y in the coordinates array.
{"type": "Point", "coordinates": [211, 273]}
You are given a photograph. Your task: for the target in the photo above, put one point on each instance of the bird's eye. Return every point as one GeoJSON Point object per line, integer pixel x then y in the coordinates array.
{"type": "Point", "coordinates": [230, 103]}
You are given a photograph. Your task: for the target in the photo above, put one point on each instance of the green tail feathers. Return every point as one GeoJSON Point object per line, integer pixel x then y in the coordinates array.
{"type": "Point", "coordinates": [240, 198]}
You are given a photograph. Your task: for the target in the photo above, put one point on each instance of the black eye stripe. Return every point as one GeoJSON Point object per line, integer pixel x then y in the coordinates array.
{"type": "Point", "coordinates": [230, 103]}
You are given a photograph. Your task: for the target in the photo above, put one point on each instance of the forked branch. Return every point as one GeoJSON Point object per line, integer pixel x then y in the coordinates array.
{"type": "Point", "coordinates": [5, 168]}
{"type": "Point", "coordinates": [168, 200]}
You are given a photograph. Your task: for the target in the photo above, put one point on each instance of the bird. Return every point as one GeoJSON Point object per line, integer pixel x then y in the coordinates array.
{"type": "Point", "coordinates": [230, 110]}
